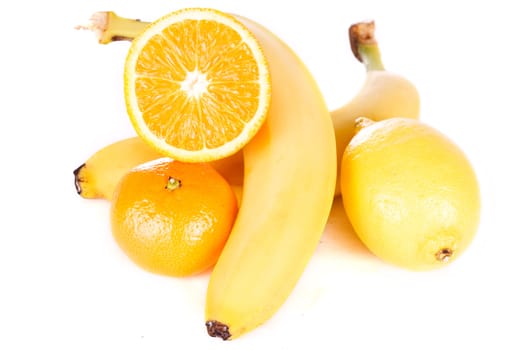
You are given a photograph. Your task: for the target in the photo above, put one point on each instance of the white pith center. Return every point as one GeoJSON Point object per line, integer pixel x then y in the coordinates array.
{"type": "Point", "coordinates": [195, 84]}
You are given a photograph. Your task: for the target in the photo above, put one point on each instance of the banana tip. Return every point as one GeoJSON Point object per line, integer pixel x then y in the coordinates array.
{"type": "Point", "coordinates": [218, 329]}
{"type": "Point", "coordinates": [78, 180]}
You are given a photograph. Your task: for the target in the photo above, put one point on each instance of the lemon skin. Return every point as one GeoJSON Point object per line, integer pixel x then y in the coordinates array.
{"type": "Point", "coordinates": [410, 193]}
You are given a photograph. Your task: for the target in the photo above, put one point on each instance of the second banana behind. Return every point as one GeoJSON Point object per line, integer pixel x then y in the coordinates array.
{"type": "Point", "coordinates": [383, 95]}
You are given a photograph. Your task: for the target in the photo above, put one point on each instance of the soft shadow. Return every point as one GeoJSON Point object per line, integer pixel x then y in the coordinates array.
{"type": "Point", "coordinates": [339, 233]}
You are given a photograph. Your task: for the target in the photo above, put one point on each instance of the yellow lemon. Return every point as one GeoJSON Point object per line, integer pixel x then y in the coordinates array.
{"type": "Point", "coordinates": [410, 193]}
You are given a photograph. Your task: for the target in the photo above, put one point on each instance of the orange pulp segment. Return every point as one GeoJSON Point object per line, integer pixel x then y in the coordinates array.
{"type": "Point", "coordinates": [197, 85]}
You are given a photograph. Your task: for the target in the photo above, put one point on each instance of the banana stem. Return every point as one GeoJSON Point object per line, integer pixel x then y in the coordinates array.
{"type": "Point", "coordinates": [364, 45]}
{"type": "Point", "coordinates": [109, 27]}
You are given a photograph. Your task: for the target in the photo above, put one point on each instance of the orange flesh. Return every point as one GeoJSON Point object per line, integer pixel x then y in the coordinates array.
{"type": "Point", "coordinates": [207, 88]}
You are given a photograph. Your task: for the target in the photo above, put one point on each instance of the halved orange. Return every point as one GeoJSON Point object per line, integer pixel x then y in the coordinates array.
{"type": "Point", "coordinates": [197, 85]}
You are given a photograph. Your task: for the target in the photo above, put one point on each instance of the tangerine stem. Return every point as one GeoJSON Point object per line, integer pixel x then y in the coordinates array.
{"type": "Point", "coordinates": [173, 184]}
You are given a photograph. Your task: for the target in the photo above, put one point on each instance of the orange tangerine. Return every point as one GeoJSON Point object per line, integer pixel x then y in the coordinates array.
{"type": "Point", "coordinates": [173, 218]}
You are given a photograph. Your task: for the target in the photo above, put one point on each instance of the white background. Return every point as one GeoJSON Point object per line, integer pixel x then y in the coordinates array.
{"type": "Point", "coordinates": [65, 283]}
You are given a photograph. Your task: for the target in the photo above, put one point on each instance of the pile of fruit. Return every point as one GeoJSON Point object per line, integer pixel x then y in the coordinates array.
{"type": "Point", "coordinates": [237, 161]}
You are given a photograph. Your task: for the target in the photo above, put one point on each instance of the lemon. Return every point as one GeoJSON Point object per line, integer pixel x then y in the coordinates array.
{"type": "Point", "coordinates": [410, 193]}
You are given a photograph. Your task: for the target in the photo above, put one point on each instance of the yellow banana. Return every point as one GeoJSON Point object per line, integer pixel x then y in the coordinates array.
{"type": "Point", "coordinates": [290, 171]}
{"type": "Point", "coordinates": [383, 95]}
{"type": "Point", "coordinates": [98, 176]}
{"type": "Point", "coordinates": [289, 182]}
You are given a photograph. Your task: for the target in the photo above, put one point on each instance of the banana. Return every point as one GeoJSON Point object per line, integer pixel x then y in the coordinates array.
{"type": "Point", "coordinates": [383, 95]}
{"type": "Point", "coordinates": [98, 176]}
{"type": "Point", "coordinates": [289, 182]}
{"type": "Point", "coordinates": [290, 172]}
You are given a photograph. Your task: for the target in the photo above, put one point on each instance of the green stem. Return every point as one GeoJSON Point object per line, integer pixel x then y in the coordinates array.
{"type": "Point", "coordinates": [364, 45]}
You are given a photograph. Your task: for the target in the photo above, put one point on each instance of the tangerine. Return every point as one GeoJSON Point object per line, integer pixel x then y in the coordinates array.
{"type": "Point", "coordinates": [173, 218]}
